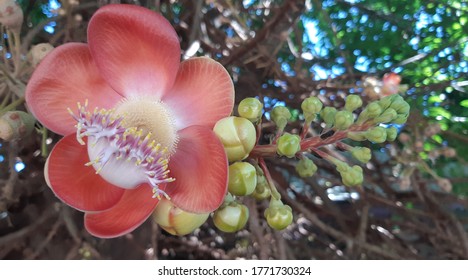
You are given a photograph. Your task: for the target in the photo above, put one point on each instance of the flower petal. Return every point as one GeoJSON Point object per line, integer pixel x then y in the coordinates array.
{"type": "Point", "coordinates": [200, 168]}
{"type": "Point", "coordinates": [66, 76]}
{"type": "Point", "coordinates": [76, 184]}
{"type": "Point", "coordinates": [137, 50]}
{"type": "Point", "coordinates": [132, 210]}
{"type": "Point", "coordinates": [202, 94]}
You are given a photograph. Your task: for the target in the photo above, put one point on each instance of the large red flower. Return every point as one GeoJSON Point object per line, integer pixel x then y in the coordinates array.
{"type": "Point", "coordinates": [153, 113]}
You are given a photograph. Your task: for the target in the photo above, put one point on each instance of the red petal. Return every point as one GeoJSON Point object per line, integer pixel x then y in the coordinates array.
{"type": "Point", "coordinates": [76, 184]}
{"type": "Point", "coordinates": [202, 94]}
{"type": "Point", "coordinates": [200, 168]}
{"type": "Point", "coordinates": [137, 50]}
{"type": "Point", "coordinates": [66, 76]}
{"type": "Point", "coordinates": [132, 210]}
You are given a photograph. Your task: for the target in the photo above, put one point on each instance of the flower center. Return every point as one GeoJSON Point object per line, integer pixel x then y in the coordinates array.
{"type": "Point", "coordinates": [150, 116]}
{"type": "Point", "coordinates": [125, 156]}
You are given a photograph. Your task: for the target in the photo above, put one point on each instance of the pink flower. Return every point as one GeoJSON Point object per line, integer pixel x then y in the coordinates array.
{"type": "Point", "coordinates": [153, 113]}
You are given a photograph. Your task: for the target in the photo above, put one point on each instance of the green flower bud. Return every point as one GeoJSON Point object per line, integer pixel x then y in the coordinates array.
{"type": "Point", "coordinates": [372, 110]}
{"type": "Point", "coordinates": [280, 115]}
{"type": "Point", "coordinates": [357, 135]}
{"type": "Point", "coordinates": [262, 190]}
{"type": "Point", "coordinates": [278, 215]}
{"type": "Point", "coordinates": [362, 154]}
{"type": "Point", "coordinates": [237, 135]}
{"type": "Point", "coordinates": [250, 108]}
{"type": "Point", "coordinates": [175, 220]}
{"type": "Point", "coordinates": [401, 119]}
{"type": "Point", "coordinates": [15, 125]}
{"type": "Point", "coordinates": [288, 145]}
{"type": "Point", "coordinates": [350, 176]}
{"type": "Point", "coordinates": [306, 167]}
{"type": "Point", "coordinates": [343, 119]}
{"type": "Point", "coordinates": [231, 218]}
{"type": "Point", "coordinates": [328, 115]}
{"type": "Point", "coordinates": [388, 100]}
{"type": "Point", "coordinates": [392, 133]}
{"type": "Point", "coordinates": [401, 106]}
{"type": "Point", "coordinates": [311, 106]}
{"type": "Point", "coordinates": [387, 116]}
{"type": "Point", "coordinates": [242, 178]}
{"type": "Point", "coordinates": [353, 102]}
{"type": "Point", "coordinates": [376, 134]}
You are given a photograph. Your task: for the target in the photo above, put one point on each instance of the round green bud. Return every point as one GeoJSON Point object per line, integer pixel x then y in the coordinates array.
{"type": "Point", "coordinates": [376, 134]}
{"type": "Point", "coordinates": [288, 145]}
{"type": "Point", "coordinates": [15, 125]}
{"type": "Point", "coordinates": [388, 100]}
{"type": "Point", "coordinates": [343, 120]}
{"type": "Point", "coordinates": [401, 106]}
{"type": "Point", "coordinates": [237, 135]}
{"type": "Point", "coordinates": [306, 167]}
{"type": "Point", "coordinates": [278, 215]}
{"type": "Point", "coordinates": [262, 190]}
{"type": "Point", "coordinates": [280, 115]}
{"type": "Point", "coordinates": [311, 106]}
{"type": "Point", "coordinates": [328, 115]}
{"type": "Point", "coordinates": [242, 178]}
{"type": "Point", "coordinates": [372, 110]}
{"type": "Point", "coordinates": [362, 154]}
{"type": "Point", "coordinates": [357, 135]}
{"type": "Point", "coordinates": [387, 116]}
{"type": "Point", "coordinates": [353, 102]}
{"type": "Point", "coordinates": [392, 133]}
{"type": "Point", "coordinates": [231, 217]}
{"type": "Point", "coordinates": [175, 220]}
{"type": "Point", "coordinates": [401, 119]}
{"type": "Point", "coordinates": [350, 176]}
{"type": "Point", "coordinates": [250, 108]}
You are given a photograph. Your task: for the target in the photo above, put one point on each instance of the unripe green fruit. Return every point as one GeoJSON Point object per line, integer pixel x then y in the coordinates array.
{"type": "Point", "coordinates": [231, 217]}
{"type": "Point", "coordinates": [311, 106]}
{"type": "Point", "coordinates": [237, 135]}
{"type": "Point", "coordinates": [262, 190]}
{"type": "Point", "coordinates": [376, 134]}
{"type": "Point", "coordinates": [175, 220]}
{"type": "Point", "coordinates": [288, 145]}
{"type": "Point", "coordinates": [392, 133]}
{"type": "Point", "coordinates": [250, 108]}
{"type": "Point", "coordinates": [328, 115]}
{"type": "Point", "coordinates": [306, 167]}
{"type": "Point", "coordinates": [242, 178]}
{"type": "Point", "coordinates": [343, 120]}
{"type": "Point", "coordinates": [280, 115]}
{"type": "Point", "coordinates": [353, 102]}
{"type": "Point", "coordinates": [388, 100]}
{"type": "Point", "coordinates": [278, 215]}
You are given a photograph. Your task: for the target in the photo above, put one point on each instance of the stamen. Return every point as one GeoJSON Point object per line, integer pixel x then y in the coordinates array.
{"type": "Point", "coordinates": [123, 143]}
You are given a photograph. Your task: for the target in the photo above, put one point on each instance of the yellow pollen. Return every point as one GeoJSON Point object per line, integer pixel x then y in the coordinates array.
{"type": "Point", "coordinates": [150, 117]}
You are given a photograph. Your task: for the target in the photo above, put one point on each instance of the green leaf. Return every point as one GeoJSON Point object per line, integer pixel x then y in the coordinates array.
{"type": "Point", "coordinates": [464, 103]}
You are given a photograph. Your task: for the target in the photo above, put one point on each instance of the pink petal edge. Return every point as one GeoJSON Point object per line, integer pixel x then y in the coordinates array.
{"type": "Point", "coordinates": [136, 50]}
{"type": "Point", "coordinates": [200, 168]}
{"type": "Point", "coordinates": [203, 93]}
{"type": "Point", "coordinates": [130, 212]}
{"type": "Point", "coordinates": [66, 76]}
{"type": "Point", "coordinates": [76, 184]}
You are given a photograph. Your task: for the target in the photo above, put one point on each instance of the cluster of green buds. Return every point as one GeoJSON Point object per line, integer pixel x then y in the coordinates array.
{"type": "Point", "coordinates": [248, 175]}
